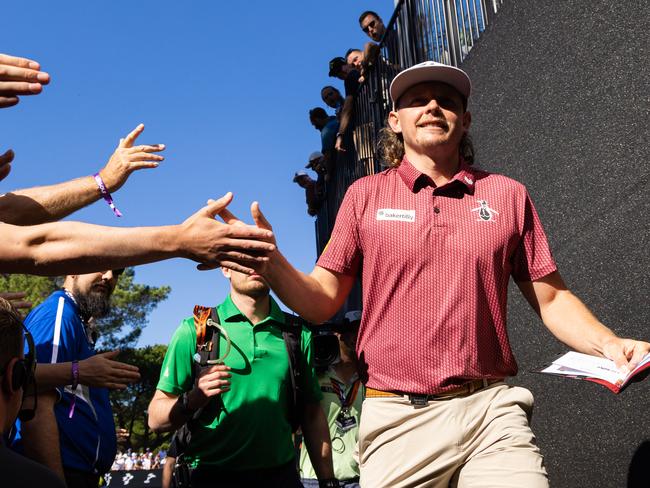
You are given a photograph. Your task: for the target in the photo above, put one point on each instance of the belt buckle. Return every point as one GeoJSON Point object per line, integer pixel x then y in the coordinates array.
{"type": "Point", "coordinates": [419, 401]}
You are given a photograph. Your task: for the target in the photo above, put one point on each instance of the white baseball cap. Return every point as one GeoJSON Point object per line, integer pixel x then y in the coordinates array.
{"type": "Point", "coordinates": [298, 175]}
{"type": "Point", "coordinates": [430, 71]}
{"type": "Point", "coordinates": [315, 155]}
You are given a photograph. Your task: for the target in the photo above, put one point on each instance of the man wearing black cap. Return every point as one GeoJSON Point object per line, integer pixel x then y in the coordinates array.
{"type": "Point", "coordinates": [341, 69]}
{"type": "Point", "coordinates": [436, 242]}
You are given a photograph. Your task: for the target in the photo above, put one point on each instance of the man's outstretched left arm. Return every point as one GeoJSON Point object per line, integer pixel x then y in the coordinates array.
{"type": "Point", "coordinates": [50, 203]}
{"type": "Point", "coordinates": [572, 322]}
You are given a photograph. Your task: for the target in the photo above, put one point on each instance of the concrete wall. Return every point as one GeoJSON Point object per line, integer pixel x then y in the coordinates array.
{"type": "Point", "coordinates": [561, 103]}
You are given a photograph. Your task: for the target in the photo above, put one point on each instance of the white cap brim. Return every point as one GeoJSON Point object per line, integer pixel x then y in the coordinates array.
{"type": "Point", "coordinates": [430, 71]}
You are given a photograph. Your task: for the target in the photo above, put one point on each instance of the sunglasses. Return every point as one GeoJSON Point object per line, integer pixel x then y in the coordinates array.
{"type": "Point", "coordinates": [371, 25]}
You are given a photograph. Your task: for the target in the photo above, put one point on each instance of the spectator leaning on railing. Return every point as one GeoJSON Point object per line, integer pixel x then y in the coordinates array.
{"type": "Point", "coordinates": [332, 98]}
{"type": "Point", "coordinates": [328, 127]}
{"type": "Point", "coordinates": [356, 58]}
{"type": "Point", "coordinates": [313, 191]}
{"type": "Point", "coordinates": [372, 24]}
{"type": "Point", "coordinates": [341, 69]}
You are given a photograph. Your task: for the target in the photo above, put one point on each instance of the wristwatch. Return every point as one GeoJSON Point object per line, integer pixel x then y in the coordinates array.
{"type": "Point", "coordinates": [329, 483]}
{"type": "Point", "coordinates": [184, 401]}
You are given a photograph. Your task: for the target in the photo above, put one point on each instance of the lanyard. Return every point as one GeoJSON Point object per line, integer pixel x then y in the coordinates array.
{"type": "Point", "coordinates": [346, 399]}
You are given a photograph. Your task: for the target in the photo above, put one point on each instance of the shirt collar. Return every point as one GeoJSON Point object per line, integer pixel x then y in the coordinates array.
{"type": "Point", "coordinates": [92, 333]}
{"type": "Point", "coordinates": [415, 180]}
{"type": "Point", "coordinates": [228, 310]}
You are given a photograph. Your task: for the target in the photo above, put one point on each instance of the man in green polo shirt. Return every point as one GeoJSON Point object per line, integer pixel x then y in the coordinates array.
{"type": "Point", "coordinates": [243, 435]}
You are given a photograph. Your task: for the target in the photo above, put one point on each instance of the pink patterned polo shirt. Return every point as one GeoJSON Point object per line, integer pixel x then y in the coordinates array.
{"type": "Point", "coordinates": [435, 264]}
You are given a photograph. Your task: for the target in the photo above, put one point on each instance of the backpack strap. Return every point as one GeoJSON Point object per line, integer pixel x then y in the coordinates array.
{"type": "Point", "coordinates": [203, 344]}
{"type": "Point", "coordinates": [207, 349]}
{"type": "Point", "coordinates": [292, 334]}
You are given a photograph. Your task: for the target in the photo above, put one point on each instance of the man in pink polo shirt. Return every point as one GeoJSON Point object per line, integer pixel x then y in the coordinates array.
{"type": "Point", "coordinates": [436, 242]}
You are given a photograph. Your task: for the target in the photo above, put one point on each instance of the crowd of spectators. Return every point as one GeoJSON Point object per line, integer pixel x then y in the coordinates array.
{"type": "Point", "coordinates": [131, 460]}
{"type": "Point", "coordinates": [335, 130]}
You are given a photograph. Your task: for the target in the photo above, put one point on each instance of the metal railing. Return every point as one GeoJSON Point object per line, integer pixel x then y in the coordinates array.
{"type": "Point", "coordinates": [419, 30]}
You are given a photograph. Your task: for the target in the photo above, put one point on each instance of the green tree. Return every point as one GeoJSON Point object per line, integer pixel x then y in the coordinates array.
{"type": "Point", "coordinates": [130, 405]}
{"type": "Point", "coordinates": [131, 304]}
{"type": "Point", "coordinates": [37, 288]}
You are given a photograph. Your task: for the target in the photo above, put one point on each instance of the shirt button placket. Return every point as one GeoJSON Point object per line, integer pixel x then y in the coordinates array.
{"type": "Point", "coordinates": [436, 208]}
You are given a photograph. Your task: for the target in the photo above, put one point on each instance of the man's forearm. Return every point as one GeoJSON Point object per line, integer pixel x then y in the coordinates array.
{"type": "Point", "coordinates": [346, 114]}
{"type": "Point", "coordinates": [165, 413]}
{"type": "Point", "coordinates": [47, 203]}
{"type": "Point", "coordinates": [315, 297]}
{"type": "Point", "coordinates": [317, 439]}
{"type": "Point", "coordinates": [73, 247]}
{"type": "Point", "coordinates": [49, 376]}
{"type": "Point", "coordinates": [41, 435]}
{"type": "Point", "coordinates": [564, 314]}
{"type": "Point", "coordinates": [572, 322]}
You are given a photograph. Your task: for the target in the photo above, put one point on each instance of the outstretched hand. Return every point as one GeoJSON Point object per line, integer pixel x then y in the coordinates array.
{"type": "Point", "coordinates": [19, 76]}
{"type": "Point", "coordinates": [128, 158]}
{"type": "Point", "coordinates": [5, 163]}
{"type": "Point", "coordinates": [102, 371]}
{"type": "Point", "coordinates": [235, 246]}
{"type": "Point", "coordinates": [261, 223]}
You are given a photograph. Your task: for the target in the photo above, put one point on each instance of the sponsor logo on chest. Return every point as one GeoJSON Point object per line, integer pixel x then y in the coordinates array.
{"type": "Point", "coordinates": [485, 213]}
{"type": "Point", "coordinates": [396, 214]}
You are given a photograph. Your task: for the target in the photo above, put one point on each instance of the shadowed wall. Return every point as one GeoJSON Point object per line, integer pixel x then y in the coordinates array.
{"type": "Point", "coordinates": [561, 103]}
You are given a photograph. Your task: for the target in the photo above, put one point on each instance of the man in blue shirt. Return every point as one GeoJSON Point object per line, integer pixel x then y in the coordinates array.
{"type": "Point", "coordinates": [73, 432]}
{"type": "Point", "coordinates": [328, 126]}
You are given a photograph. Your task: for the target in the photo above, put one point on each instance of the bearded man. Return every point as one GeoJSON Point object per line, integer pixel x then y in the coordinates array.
{"type": "Point", "coordinates": [73, 432]}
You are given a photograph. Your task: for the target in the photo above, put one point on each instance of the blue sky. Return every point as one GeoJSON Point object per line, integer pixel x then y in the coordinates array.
{"type": "Point", "coordinates": [225, 85]}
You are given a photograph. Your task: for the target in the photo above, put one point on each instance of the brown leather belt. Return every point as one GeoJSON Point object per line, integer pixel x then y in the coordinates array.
{"type": "Point", "coordinates": [421, 399]}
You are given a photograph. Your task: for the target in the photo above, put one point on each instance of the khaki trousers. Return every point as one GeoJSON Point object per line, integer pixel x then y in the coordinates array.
{"type": "Point", "coordinates": [479, 440]}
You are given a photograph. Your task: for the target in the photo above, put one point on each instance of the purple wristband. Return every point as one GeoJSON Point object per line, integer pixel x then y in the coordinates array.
{"type": "Point", "coordinates": [106, 194]}
{"type": "Point", "coordinates": [75, 383]}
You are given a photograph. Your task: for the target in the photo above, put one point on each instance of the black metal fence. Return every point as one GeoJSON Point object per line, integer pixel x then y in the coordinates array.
{"type": "Point", "coordinates": [419, 30]}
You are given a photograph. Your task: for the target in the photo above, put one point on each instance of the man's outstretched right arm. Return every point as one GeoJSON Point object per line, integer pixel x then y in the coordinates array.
{"type": "Point", "coordinates": [315, 296]}
{"type": "Point", "coordinates": [73, 247]}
